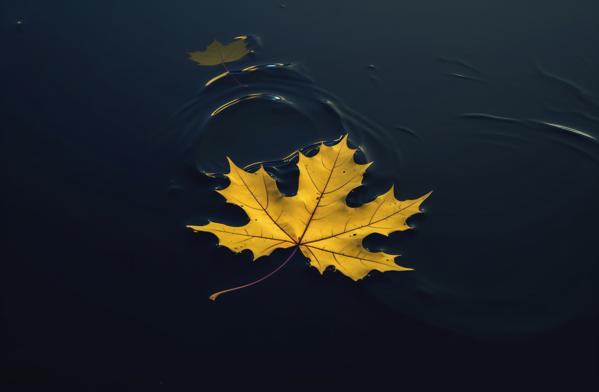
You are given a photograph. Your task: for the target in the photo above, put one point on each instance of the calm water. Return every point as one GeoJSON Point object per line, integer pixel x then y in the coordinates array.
{"type": "Point", "coordinates": [108, 133]}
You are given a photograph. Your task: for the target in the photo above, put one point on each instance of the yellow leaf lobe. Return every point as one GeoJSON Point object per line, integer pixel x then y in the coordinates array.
{"type": "Point", "coordinates": [317, 218]}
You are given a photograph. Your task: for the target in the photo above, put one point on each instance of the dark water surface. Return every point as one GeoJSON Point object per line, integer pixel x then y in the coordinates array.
{"type": "Point", "coordinates": [108, 131]}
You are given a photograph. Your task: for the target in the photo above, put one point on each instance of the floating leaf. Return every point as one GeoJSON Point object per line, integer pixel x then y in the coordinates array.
{"type": "Point", "coordinates": [316, 220]}
{"type": "Point", "coordinates": [219, 54]}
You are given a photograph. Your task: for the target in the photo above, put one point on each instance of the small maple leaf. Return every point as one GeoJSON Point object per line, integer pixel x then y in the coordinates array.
{"type": "Point", "coordinates": [317, 219]}
{"type": "Point", "coordinates": [217, 53]}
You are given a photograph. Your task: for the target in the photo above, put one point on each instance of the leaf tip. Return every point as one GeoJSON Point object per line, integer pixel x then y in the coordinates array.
{"type": "Point", "coordinates": [425, 196]}
{"type": "Point", "coordinates": [344, 141]}
{"type": "Point", "coordinates": [231, 164]}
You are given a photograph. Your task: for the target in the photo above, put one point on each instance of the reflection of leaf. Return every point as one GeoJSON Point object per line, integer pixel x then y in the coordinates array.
{"type": "Point", "coordinates": [316, 220]}
{"type": "Point", "coordinates": [217, 53]}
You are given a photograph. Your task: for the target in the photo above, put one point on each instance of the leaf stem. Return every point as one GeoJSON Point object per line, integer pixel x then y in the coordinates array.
{"type": "Point", "coordinates": [214, 296]}
{"type": "Point", "coordinates": [230, 73]}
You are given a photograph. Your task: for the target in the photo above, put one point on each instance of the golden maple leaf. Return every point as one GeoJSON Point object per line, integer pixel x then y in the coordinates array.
{"type": "Point", "coordinates": [219, 54]}
{"type": "Point", "coordinates": [316, 220]}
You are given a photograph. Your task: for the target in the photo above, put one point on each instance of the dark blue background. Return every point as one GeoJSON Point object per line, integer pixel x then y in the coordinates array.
{"type": "Point", "coordinates": [102, 286]}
